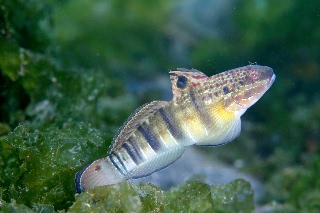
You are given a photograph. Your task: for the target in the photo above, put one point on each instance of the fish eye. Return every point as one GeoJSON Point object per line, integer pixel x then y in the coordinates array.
{"type": "Point", "coordinates": [254, 75]}
{"type": "Point", "coordinates": [182, 82]}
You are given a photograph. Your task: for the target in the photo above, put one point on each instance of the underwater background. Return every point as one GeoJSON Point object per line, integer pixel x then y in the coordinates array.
{"type": "Point", "coordinates": [72, 71]}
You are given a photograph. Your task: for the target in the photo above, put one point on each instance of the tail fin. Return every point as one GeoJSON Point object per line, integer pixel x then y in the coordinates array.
{"type": "Point", "coordinates": [99, 173]}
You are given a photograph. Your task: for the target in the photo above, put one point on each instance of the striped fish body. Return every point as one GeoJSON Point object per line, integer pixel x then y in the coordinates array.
{"type": "Point", "coordinates": [204, 111]}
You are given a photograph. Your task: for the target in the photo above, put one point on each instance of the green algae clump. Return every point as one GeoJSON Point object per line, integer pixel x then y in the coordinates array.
{"type": "Point", "coordinates": [190, 197]}
{"type": "Point", "coordinates": [42, 164]}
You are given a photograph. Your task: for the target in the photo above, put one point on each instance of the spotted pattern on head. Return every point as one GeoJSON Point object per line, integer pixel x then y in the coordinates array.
{"type": "Point", "coordinates": [238, 84]}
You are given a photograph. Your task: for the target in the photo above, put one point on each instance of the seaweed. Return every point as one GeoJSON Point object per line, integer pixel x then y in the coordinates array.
{"type": "Point", "coordinates": [42, 164]}
{"type": "Point", "coordinates": [191, 197]}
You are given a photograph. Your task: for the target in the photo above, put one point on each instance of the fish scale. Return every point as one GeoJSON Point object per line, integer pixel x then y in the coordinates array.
{"type": "Point", "coordinates": [204, 111]}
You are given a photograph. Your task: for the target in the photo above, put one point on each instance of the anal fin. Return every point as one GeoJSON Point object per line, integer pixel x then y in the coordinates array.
{"type": "Point", "coordinates": [156, 163]}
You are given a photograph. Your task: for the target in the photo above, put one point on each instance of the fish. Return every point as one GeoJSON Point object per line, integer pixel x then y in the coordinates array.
{"type": "Point", "coordinates": [204, 111]}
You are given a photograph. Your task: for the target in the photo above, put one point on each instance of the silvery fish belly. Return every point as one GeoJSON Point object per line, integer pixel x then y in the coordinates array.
{"type": "Point", "coordinates": [203, 111]}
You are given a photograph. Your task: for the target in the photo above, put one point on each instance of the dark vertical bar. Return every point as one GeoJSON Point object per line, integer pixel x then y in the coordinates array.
{"type": "Point", "coordinates": [114, 154]}
{"type": "Point", "coordinates": [131, 153]}
{"type": "Point", "coordinates": [136, 149]}
{"type": "Point", "coordinates": [150, 138]}
{"type": "Point", "coordinates": [174, 129]}
{"type": "Point", "coordinates": [203, 114]}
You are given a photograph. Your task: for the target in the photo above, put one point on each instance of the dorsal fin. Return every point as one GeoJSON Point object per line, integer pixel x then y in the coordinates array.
{"type": "Point", "coordinates": [134, 120]}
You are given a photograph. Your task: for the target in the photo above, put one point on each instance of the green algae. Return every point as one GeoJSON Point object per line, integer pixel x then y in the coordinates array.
{"type": "Point", "coordinates": [15, 207]}
{"type": "Point", "coordinates": [298, 186]}
{"type": "Point", "coordinates": [191, 197]}
{"type": "Point", "coordinates": [46, 162]}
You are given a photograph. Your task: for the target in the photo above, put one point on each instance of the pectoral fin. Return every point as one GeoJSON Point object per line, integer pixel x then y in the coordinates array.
{"type": "Point", "coordinates": [226, 127]}
{"type": "Point", "coordinates": [228, 136]}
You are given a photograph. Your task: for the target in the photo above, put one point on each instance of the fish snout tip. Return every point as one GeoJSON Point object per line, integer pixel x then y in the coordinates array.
{"type": "Point", "coordinates": [267, 73]}
{"type": "Point", "coordinates": [272, 79]}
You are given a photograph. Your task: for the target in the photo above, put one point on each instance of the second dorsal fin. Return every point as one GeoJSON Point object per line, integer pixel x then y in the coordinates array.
{"type": "Point", "coordinates": [134, 120]}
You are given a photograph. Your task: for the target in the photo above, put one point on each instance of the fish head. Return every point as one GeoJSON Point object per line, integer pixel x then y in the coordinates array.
{"type": "Point", "coordinates": [236, 89]}
{"type": "Point", "coordinates": [244, 86]}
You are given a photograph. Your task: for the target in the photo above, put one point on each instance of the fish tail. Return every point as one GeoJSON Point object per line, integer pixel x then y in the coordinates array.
{"type": "Point", "coordinates": [99, 173]}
